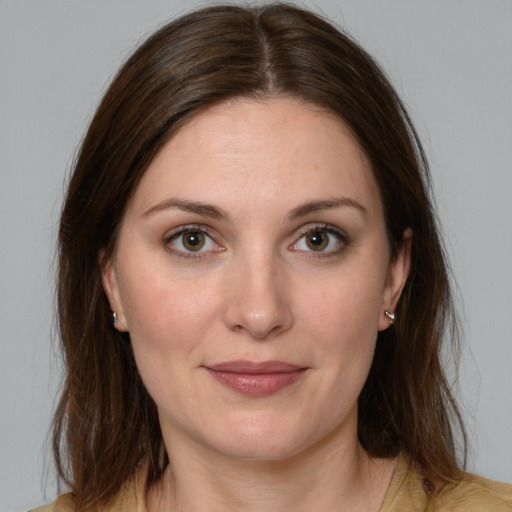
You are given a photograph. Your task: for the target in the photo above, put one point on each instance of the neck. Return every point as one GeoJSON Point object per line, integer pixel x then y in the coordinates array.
{"type": "Point", "coordinates": [323, 478]}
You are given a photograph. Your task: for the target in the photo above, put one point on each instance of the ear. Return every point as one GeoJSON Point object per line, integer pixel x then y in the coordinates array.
{"type": "Point", "coordinates": [110, 285]}
{"type": "Point", "coordinates": [398, 272]}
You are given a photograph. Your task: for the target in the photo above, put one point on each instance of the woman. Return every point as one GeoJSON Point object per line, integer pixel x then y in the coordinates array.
{"type": "Point", "coordinates": [252, 290]}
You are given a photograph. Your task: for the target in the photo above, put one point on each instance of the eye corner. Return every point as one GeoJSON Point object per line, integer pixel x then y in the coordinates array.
{"type": "Point", "coordinates": [200, 244]}
{"type": "Point", "coordinates": [330, 240]}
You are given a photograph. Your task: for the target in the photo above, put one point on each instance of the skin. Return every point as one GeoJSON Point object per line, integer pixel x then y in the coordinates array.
{"type": "Point", "coordinates": [257, 291]}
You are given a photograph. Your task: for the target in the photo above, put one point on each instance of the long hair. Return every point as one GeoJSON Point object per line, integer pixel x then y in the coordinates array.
{"type": "Point", "coordinates": [106, 425]}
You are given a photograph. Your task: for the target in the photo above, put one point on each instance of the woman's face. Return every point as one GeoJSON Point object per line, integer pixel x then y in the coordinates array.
{"type": "Point", "coordinates": [252, 271]}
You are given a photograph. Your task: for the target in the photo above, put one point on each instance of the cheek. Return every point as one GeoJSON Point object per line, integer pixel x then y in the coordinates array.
{"type": "Point", "coordinates": [343, 318]}
{"type": "Point", "coordinates": [347, 306]}
{"type": "Point", "coordinates": [167, 315]}
{"type": "Point", "coordinates": [168, 322]}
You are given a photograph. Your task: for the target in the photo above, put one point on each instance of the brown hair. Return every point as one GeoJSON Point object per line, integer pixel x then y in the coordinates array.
{"type": "Point", "coordinates": [106, 424]}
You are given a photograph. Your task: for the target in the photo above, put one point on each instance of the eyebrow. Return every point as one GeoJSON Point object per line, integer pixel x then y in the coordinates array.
{"type": "Point", "coordinates": [326, 204]}
{"type": "Point", "coordinates": [214, 212]}
{"type": "Point", "coordinates": [206, 210]}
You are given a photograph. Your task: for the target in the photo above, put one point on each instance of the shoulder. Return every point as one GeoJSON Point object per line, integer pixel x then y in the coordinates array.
{"type": "Point", "coordinates": [471, 493]}
{"type": "Point", "coordinates": [131, 498]}
{"type": "Point", "coordinates": [63, 503]}
{"type": "Point", "coordinates": [474, 493]}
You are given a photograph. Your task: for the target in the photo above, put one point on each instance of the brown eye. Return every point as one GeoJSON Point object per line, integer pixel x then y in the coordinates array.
{"type": "Point", "coordinates": [193, 240]}
{"type": "Point", "coordinates": [323, 240]}
{"type": "Point", "coordinates": [317, 240]}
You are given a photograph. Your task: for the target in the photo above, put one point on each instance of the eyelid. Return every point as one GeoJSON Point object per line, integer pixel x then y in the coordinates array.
{"type": "Point", "coordinates": [330, 229]}
{"type": "Point", "coordinates": [322, 226]}
{"type": "Point", "coordinates": [180, 230]}
{"type": "Point", "coordinates": [184, 229]}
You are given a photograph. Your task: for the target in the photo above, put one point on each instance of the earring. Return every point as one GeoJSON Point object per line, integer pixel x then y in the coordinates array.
{"type": "Point", "coordinates": [115, 321]}
{"type": "Point", "coordinates": [391, 317]}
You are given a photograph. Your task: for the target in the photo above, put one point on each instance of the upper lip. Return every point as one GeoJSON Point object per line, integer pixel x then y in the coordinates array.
{"type": "Point", "coordinates": [253, 367]}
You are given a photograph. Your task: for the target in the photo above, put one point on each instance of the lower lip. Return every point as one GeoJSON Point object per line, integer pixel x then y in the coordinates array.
{"type": "Point", "coordinates": [257, 384]}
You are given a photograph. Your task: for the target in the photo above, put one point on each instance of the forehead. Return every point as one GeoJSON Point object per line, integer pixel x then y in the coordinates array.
{"type": "Point", "coordinates": [258, 152]}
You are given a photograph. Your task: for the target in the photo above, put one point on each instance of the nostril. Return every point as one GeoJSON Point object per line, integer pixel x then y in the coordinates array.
{"type": "Point", "coordinates": [257, 305]}
{"type": "Point", "coordinates": [261, 331]}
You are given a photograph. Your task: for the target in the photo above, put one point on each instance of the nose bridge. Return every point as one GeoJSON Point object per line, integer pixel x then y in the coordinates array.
{"type": "Point", "coordinates": [258, 299]}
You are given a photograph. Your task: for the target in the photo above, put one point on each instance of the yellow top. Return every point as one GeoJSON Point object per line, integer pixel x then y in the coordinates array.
{"type": "Point", "coordinates": [473, 493]}
{"type": "Point", "coordinates": [405, 494]}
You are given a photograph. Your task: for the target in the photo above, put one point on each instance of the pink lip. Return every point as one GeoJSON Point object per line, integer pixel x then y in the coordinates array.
{"type": "Point", "coordinates": [256, 379]}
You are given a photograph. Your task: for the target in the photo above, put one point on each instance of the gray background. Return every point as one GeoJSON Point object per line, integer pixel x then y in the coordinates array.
{"type": "Point", "coordinates": [450, 60]}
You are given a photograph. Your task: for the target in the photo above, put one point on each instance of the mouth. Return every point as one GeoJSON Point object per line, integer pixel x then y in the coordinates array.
{"type": "Point", "coordinates": [256, 378]}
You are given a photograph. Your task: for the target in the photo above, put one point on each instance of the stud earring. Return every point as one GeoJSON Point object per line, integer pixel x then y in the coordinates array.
{"type": "Point", "coordinates": [115, 321]}
{"type": "Point", "coordinates": [391, 317]}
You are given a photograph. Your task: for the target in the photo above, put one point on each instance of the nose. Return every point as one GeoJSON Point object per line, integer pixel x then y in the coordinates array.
{"type": "Point", "coordinates": [258, 298]}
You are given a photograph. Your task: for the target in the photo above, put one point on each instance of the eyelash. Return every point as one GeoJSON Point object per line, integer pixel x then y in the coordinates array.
{"type": "Point", "coordinates": [339, 234]}
{"type": "Point", "coordinates": [191, 255]}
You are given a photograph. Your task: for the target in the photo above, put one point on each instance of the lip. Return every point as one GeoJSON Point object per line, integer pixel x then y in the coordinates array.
{"type": "Point", "coordinates": [256, 378]}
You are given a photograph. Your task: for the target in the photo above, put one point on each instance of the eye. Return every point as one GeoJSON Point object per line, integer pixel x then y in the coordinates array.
{"type": "Point", "coordinates": [190, 240]}
{"type": "Point", "coordinates": [317, 240]}
{"type": "Point", "coordinates": [320, 239]}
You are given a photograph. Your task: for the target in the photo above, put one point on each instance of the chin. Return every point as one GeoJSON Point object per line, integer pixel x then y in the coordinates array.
{"type": "Point", "coordinates": [254, 441]}
{"type": "Point", "coordinates": [254, 451]}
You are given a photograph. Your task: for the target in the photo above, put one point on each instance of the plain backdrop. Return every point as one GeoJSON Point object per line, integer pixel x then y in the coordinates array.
{"type": "Point", "coordinates": [450, 61]}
